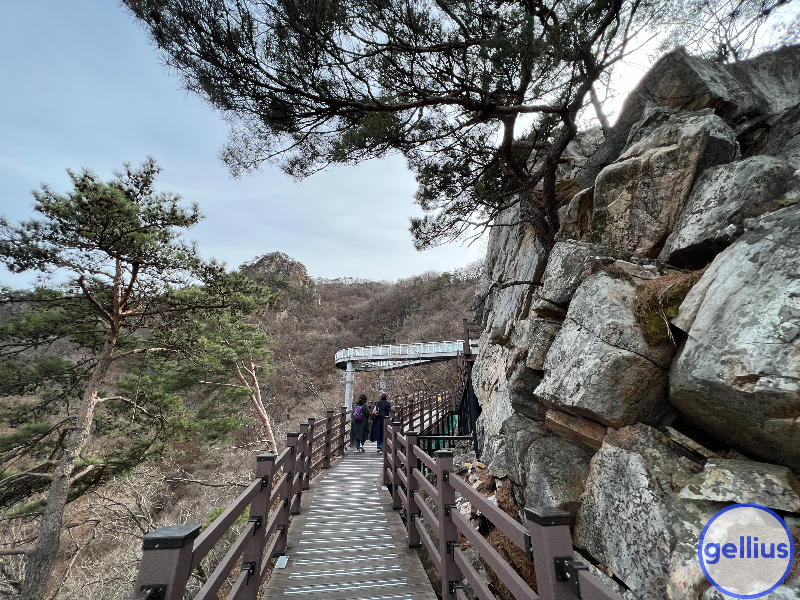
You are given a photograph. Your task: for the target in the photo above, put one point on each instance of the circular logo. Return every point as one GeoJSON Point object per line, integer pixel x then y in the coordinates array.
{"type": "Point", "coordinates": [746, 551]}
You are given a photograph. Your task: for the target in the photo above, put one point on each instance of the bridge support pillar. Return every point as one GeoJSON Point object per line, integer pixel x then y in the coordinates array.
{"type": "Point", "coordinates": [349, 378]}
{"type": "Point", "coordinates": [383, 387]}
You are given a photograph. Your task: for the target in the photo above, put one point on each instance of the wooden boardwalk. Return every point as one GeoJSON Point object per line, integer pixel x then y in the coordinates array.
{"type": "Point", "coordinates": [347, 543]}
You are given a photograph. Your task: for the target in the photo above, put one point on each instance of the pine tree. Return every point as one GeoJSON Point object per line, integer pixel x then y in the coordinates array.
{"type": "Point", "coordinates": [482, 98]}
{"type": "Point", "coordinates": [129, 295]}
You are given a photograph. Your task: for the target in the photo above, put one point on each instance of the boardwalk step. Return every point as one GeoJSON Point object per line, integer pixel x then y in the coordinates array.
{"type": "Point", "coordinates": [347, 543]}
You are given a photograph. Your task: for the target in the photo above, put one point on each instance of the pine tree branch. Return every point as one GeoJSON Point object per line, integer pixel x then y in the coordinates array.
{"type": "Point", "coordinates": [91, 299]}
{"type": "Point", "coordinates": [180, 309]}
{"type": "Point", "coordinates": [140, 351]}
{"type": "Point", "coordinates": [129, 290]}
{"type": "Point", "coordinates": [230, 385]}
{"type": "Point", "coordinates": [31, 473]}
{"type": "Point", "coordinates": [14, 551]}
{"type": "Point", "coordinates": [85, 471]}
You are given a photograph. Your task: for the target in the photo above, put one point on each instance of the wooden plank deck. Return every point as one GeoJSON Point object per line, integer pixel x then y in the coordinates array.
{"type": "Point", "coordinates": [347, 543]}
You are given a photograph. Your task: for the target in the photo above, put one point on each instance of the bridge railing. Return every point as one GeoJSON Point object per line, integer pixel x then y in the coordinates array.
{"type": "Point", "coordinates": [433, 520]}
{"type": "Point", "coordinates": [426, 411]}
{"type": "Point", "coordinates": [400, 349]}
{"type": "Point", "coordinates": [171, 553]}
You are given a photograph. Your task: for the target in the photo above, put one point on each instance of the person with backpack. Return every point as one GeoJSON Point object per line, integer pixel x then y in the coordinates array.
{"type": "Point", "coordinates": [359, 425]}
{"type": "Point", "coordinates": [379, 412]}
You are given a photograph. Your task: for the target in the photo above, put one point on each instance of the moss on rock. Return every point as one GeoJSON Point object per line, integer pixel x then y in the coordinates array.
{"type": "Point", "coordinates": [660, 298]}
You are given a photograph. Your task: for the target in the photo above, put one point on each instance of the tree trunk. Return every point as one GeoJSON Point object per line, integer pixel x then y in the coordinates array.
{"type": "Point", "coordinates": [258, 404]}
{"type": "Point", "coordinates": [42, 557]}
{"type": "Point", "coordinates": [598, 109]}
{"type": "Point", "coordinates": [265, 421]}
{"type": "Point", "coordinates": [255, 400]}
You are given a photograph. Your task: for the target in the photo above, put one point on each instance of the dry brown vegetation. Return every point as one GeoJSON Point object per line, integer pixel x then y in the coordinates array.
{"type": "Point", "coordinates": [312, 322]}
{"type": "Point", "coordinates": [101, 549]}
{"type": "Point", "coordinates": [658, 300]}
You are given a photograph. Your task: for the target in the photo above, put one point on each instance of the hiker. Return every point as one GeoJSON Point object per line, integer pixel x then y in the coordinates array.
{"type": "Point", "coordinates": [379, 412]}
{"type": "Point", "coordinates": [359, 426]}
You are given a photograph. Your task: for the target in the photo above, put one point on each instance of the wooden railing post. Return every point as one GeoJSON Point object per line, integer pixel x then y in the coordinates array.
{"type": "Point", "coordinates": [302, 457]}
{"type": "Point", "coordinates": [396, 502]}
{"type": "Point", "coordinates": [294, 481]}
{"type": "Point", "coordinates": [309, 452]}
{"type": "Point", "coordinates": [326, 457]}
{"type": "Point", "coordinates": [427, 411]}
{"type": "Point", "coordinates": [448, 533]}
{"type": "Point", "coordinates": [342, 423]}
{"type": "Point", "coordinates": [282, 521]}
{"type": "Point", "coordinates": [167, 560]}
{"type": "Point", "coordinates": [411, 491]}
{"type": "Point", "coordinates": [386, 422]}
{"type": "Point", "coordinates": [300, 467]}
{"type": "Point", "coordinates": [549, 531]}
{"type": "Point", "coordinates": [259, 513]}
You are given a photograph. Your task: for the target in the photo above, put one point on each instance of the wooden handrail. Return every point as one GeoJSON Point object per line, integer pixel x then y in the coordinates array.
{"type": "Point", "coordinates": [513, 530]}
{"type": "Point", "coordinates": [426, 485]}
{"type": "Point", "coordinates": [513, 582]}
{"type": "Point", "coordinates": [545, 538]}
{"type": "Point", "coordinates": [431, 547]}
{"type": "Point", "coordinates": [428, 515]}
{"type": "Point", "coordinates": [170, 553]}
{"type": "Point", "coordinates": [223, 522]}
{"type": "Point", "coordinates": [475, 581]}
{"type": "Point", "coordinates": [282, 458]}
{"type": "Point", "coordinates": [219, 576]}
{"type": "Point", "coordinates": [426, 460]}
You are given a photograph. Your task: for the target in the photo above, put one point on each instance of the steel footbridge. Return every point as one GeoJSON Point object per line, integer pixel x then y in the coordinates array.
{"type": "Point", "coordinates": [397, 356]}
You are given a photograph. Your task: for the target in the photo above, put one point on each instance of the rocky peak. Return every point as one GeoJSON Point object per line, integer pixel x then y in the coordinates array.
{"type": "Point", "coordinates": [277, 268]}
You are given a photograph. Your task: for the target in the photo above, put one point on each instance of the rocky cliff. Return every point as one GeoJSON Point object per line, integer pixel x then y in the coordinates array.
{"type": "Point", "coordinates": [647, 372]}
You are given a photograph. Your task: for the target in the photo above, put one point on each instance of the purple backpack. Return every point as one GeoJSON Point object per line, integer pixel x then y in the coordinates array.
{"type": "Point", "coordinates": [358, 413]}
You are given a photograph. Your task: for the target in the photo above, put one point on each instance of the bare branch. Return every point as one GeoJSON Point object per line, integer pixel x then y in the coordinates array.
{"type": "Point", "coordinates": [14, 551]}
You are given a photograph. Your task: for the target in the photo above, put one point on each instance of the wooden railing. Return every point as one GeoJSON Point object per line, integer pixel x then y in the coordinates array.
{"type": "Point", "coordinates": [545, 539]}
{"type": "Point", "coordinates": [425, 411]}
{"type": "Point", "coordinates": [172, 552]}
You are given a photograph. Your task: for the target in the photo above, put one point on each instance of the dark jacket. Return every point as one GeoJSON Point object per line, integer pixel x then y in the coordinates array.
{"type": "Point", "coordinates": [376, 434]}
{"type": "Point", "coordinates": [359, 430]}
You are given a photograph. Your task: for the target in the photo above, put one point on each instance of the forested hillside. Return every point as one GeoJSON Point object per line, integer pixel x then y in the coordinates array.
{"type": "Point", "coordinates": [315, 318]}
{"type": "Point", "coordinates": [193, 478]}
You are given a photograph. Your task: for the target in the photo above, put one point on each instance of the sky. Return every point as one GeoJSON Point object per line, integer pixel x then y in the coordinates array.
{"type": "Point", "coordinates": [81, 86]}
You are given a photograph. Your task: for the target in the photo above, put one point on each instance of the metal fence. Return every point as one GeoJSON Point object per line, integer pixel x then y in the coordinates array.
{"type": "Point", "coordinates": [389, 350]}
